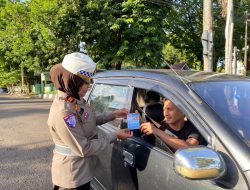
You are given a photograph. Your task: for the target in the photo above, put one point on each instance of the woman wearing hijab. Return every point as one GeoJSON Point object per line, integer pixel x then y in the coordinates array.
{"type": "Point", "coordinates": [72, 124]}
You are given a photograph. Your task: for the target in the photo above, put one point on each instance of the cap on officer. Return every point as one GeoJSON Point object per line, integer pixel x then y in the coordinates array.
{"type": "Point", "coordinates": [79, 64]}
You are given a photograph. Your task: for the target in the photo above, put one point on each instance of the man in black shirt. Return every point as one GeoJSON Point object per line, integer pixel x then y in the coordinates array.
{"type": "Point", "coordinates": [178, 132]}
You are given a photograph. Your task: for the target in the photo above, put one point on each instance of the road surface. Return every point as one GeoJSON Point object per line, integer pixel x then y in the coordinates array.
{"type": "Point", "coordinates": [25, 144]}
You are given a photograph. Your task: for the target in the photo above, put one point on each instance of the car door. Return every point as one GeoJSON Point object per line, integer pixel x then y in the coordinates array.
{"type": "Point", "coordinates": [107, 97]}
{"type": "Point", "coordinates": [147, 165]}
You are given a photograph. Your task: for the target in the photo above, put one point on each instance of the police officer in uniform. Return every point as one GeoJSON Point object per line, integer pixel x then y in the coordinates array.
{"type": "Point", "coordinates": [72, 124]}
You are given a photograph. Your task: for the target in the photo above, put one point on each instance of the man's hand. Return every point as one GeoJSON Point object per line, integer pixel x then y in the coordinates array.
{"type": "Point", "coordinates": [148, 128]}
{"type": "Point", "coordinates": [124, 134]}
{"type": "Point", "coordinates": [120, 113]}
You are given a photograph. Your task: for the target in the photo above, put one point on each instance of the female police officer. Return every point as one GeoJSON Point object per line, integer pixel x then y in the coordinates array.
{"type": "Point", "coordinates": [72, 124]}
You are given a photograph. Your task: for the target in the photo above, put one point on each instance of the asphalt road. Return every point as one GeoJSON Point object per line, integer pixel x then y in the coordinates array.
{"type": "Point", "coordinates": [25, 144]}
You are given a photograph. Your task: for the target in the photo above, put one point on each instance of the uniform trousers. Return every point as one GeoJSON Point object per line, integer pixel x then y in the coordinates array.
{"type": "Point", "coordinates": [85, 186]}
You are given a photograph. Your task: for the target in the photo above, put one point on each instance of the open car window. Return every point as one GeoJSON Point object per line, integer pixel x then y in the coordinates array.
{"type": "Point", "coordinates": [150, 105]}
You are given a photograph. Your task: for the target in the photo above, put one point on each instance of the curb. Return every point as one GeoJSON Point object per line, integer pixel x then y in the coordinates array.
{"type": "Point", "coordinates": [44, 96]}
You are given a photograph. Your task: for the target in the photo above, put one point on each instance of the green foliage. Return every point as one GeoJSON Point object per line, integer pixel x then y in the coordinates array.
{"type": "Point", "coordinates": [26, 42]}
{"type": "Point", "coordinates": [241, 7]}
{"type": "Point", "coordinates": [184, 28]}
{"type": "Point", "coordinates": [121, 31]}
{"type": "Point", "coordinates": [13, 36]}
{"type": "Point", "coordinates": [36, 34]}
{"type": "Point", "coordinates": [183, 25]}
{"type": "Point", "coordinates": [219, 31]}
{"type": "Point", "coordinates": [9, 78]}
{"type": "Point", "coordinates": [176, 56]}
{"type": "Point", "coordinates": [41, 16]}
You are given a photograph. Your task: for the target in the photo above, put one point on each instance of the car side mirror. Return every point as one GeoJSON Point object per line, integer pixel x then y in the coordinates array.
{"type": "Point", "coordinates": [199, 162]}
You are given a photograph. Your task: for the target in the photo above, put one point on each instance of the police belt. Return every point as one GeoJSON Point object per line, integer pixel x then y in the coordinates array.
{"type": "Point", "coordinates": [64, 150]}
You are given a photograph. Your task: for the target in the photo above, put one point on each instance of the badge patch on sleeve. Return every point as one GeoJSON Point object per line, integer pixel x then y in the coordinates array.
{"type": "Point", "coordinates": [70, 120]}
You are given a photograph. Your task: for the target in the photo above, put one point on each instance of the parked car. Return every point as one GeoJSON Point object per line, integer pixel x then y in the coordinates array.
{"type": "Point", "coordinates": [217, 104]}
{"type": "Point", "coordinates": [3, 90]}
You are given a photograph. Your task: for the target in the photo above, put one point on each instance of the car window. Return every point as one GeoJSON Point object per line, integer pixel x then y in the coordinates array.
{"type": "Point", "coordinates": [150, 105]}
{"type": "Point", "coordinates": [106, 97]}
{"type": "Point", "coordinates": [231, 101]}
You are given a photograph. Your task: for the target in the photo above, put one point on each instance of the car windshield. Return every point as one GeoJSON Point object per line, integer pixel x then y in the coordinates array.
{"type": "Point", "coordinates": [231, 100]}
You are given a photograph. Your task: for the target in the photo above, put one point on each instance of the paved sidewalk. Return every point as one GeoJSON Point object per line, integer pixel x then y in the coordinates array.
{"type": "Point", "coordinates": [35, 96]}
{"type": "Point", "coordinates": [44, 96]}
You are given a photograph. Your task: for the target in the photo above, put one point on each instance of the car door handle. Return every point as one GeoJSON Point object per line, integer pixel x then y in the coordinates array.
{"type": "Point", "coordinates": [128, 158]}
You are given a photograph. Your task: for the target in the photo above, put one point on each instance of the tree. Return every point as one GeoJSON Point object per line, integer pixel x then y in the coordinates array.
{"type": "Point", "coordinates": [13, 33]}
{"type": "Point", "coordinates": [175, 56]}
{"type": "Point", "coordinates": [240, 8]}
{"type": "Point", "coordinates": [185, 32]}
{"type": "Point", "coordinates": [26, 42]}
{"type": "Point", "coordinates": [114, 31]}
{"type": "Point", "coordinates": [183, 25]}
{"type": "Point", "coordinates": [219, 27]}
{"type": "Point", "coordinates": [43, 34]}
{"type": "Point", "coordinates": [37, 34]}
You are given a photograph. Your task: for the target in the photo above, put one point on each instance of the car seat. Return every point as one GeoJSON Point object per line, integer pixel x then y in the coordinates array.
{"type": "Point", "coordinates": [153, 108]}
{"type": "Point", "coordinates": [155, 112]}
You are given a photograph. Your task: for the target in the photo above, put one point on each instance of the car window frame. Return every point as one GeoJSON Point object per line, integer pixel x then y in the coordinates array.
{"type": "Point", "coordinates": [118, 122]}
{"type": "Point", "coordinates": [168, 91]}
{"type": "Point", "coordinates": [178, 99]}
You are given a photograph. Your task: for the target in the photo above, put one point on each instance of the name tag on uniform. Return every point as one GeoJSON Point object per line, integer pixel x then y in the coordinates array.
{"type": "Point", "coordinates": [133, 121]}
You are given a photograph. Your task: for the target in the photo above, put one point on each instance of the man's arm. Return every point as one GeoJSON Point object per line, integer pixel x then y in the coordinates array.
{"type": "Point", "coordinates": [175, 143]}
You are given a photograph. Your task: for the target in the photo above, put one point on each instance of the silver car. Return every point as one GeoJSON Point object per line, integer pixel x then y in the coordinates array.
{"type": "Point", "coordinates": [217, 104]}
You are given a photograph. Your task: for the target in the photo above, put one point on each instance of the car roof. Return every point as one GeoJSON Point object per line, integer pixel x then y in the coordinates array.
{"type": "Point", "coordinates": [186, 76]}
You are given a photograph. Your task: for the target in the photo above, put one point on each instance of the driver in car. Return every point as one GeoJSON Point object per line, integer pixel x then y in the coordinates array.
{"type": "Point", "coordinates": [177, 132]}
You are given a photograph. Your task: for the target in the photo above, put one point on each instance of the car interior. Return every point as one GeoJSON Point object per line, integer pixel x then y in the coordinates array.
{"type": "Point", "coordinates": [149, 104]}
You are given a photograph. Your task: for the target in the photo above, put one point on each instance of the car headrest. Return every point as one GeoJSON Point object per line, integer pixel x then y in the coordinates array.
{"type": "Point", "coordinates": [152, 96]}
{"type": "Point", "coordinates": [154, 111]}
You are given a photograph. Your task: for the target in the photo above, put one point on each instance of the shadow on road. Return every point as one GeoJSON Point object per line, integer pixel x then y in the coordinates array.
{"type": "Point", "coordinates": [26, 166]}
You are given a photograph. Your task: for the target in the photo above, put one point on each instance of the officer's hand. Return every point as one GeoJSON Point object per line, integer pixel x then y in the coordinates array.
{"type": "Point", "coordinates": [124, 134]}
{"type": "Point", "coordinates": [120, 113]}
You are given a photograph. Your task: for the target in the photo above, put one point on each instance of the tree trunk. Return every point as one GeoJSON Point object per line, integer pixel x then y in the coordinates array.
{"type": "Point", "coordinates": [224, 7]}
{"type": "Point", "coordinates": [22, 79]}
{"type": "Point", "coordinates": [118, 65]}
